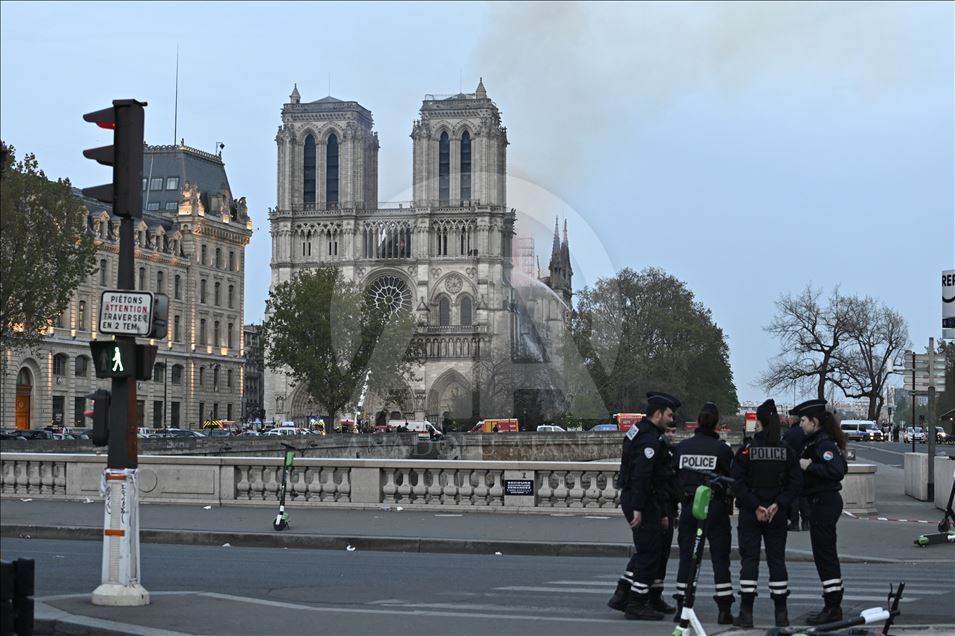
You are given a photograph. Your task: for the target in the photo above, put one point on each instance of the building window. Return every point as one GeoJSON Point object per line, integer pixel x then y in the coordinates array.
{"type": "Point", "coordinates": [176, 376]}
{"type": "Point", "coordinates": [466, 166]}
{"type": "Point", "coordinates": [308, 165]}
{"type": "Point", "coordinates": [103, 271]}
{"type": "Point", "coordinates": [231, 295]}
{"type": "Point", "coordinates": [202, 290]}
{"type": "Point", "coordinates": [174, 415]}
{"type": "Point", "coordinates": [171, 205]}
{"type": "Point", "coordinates": [202, 379]}
{"type": "Point", "coordinates": [176, 333]}
{"type": "Point", "coordinates": [152, 206]}
{"type": "Point", "coordinates": [231, 261]}
{"type": "Point", "coordinates": [59, 364]}
{"type": "Point", "coordinates": [444, 312]}
{"type": "Point", "coordinates": [202, 408]}
{"type": "Point", "coordinates": [81, 316]}
{"type": "Point", "coordinates": [159, 372]}
{"type": "Point", "coordinates": [155, 183]}
{"type": "Point", "coordinates": [172, 183]}
{"type": "Point", "coordinates": [228, 411]}
{"type": "Point", "coordinates": [331, 170]}
{"type": "Point", "coordinates": [142, 279]}
{"type": "Point", "coordinates": [202, 331]}
{"type": "Point", "coordinates": [215, 334]}
{"type": "Point", "coordinates": [79, 405]}
{"type": "Point", "coordinates": [218, 258]}
{"type": "Point", "coordinates": [204, 253]}
{"type": "Point", "coordinates": [160, 282]}
{"type": "Point", "coordinates": [444, 169]}
{"type": "Point", "coordinates": [215, 293]}
{"type": "Point", "coordinates": [177, 287]}
{"type": "Point", "coordinates": [229, 335]}
{"type": "Point", "coordinates": [81, 366]}
{"type": "Point", "coordinates": [465, 312]}
{"type": "Point", "coordinates": [215, 378]}
{"type": "Point", "coordinates": [228, 379]}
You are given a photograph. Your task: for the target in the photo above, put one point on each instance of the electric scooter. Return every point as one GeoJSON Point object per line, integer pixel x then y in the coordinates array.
{"type": "Point", "coordinates": [716, 484]}
{"type": "Point", "coordinates": [844, 628]}
{"type": "Point", "coordinates": [945, 534]}
{"type": "Point", "coordinates": [281, 519]}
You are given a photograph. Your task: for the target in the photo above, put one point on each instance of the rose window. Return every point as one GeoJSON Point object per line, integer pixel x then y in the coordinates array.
{"type": "Point", "coordinates": [390, 292]}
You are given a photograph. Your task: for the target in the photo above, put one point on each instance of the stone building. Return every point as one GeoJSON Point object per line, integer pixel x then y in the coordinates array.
{"type": "Point", "coordinates": [253, 391]}
{"type": "Point", "coordinates": [190, 245]}
{"type": "Point", "coordinates": [446, 255]}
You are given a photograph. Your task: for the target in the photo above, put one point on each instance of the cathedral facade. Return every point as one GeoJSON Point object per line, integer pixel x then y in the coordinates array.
{"type": "Point", "coordinates": [445, 255]}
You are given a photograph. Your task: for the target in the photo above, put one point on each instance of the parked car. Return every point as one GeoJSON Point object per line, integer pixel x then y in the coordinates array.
{"type": "Point", "coordinates": [218, 432]}
{"type": "Point", "coordinates": [861, 430]}
{"type": "Point", "coordinates": [605, 427]}
{"type": "Point", "coordinates": [550, 428]}
{"type": "Point", "coordinates": [249, 434]}
{"type": "Point", "coordinates": [917, 433]}
{"type": "Point", "coordinates": [34, 433]}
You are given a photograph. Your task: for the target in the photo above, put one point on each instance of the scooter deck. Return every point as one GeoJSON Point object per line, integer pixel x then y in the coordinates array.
{"type": "Point", "coordinates": [935, 538]}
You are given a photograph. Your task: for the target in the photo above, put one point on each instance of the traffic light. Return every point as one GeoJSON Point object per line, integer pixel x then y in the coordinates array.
{"type": "Point", "coordinates": [125, 194]}
{"type": "Point", "coordinates": [114, 358]}
{"type": "Point", "coordinates": [145, 359]}
{"type": "Point", "coordinates": [100, 415]}
{"type": "Point", "coordinates": [158, 329]}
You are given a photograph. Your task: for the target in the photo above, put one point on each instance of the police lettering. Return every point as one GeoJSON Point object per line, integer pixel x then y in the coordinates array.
{"type": "Point", "coordinates": [698, 462]}
{"type": "Point", "coordinates": [767, 453]}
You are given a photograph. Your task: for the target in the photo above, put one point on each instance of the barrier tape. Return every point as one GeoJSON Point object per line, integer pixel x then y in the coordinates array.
{"type": "Point", "coordinates": [849, 514]}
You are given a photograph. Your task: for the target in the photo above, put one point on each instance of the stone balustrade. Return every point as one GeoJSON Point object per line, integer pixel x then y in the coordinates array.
{"type": "Point", "coordinates": [511, 486]}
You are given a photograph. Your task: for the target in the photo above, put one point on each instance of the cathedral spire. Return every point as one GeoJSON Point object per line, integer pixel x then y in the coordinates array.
{"type": "Point", "coordinates": [480, 92]}
{"type": "Point", "coordinates": [295, 97]}
{"type": "Point", "coordinates": [555, 250]}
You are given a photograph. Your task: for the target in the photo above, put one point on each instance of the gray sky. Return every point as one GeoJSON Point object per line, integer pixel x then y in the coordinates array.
{"type": "Point", "coordinates": [748, 149]}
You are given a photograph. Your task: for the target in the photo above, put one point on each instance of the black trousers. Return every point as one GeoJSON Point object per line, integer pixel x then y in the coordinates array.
{"type": "Point", "coordinates": [647, 542]}
{"type": "Point", "coordinates": [718, 537]}
{"type": "Point", "coordinates": [799, 509]}
{"type": "Point", "coordinates": [826, 508]}
{"type": "Point", "coordinates": [666, 541]}
{"type": "Point", "coordinates": [752, 534]}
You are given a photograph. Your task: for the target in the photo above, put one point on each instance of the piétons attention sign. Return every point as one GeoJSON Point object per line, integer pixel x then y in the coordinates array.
{"type": "Point", "coordinates": [124, 312]}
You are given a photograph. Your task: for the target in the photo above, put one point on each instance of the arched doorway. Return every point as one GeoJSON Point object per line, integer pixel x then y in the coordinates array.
{"type": "Point", "coordinates": [450, 398]}
{"type": "Point", "coordinates": [24, 398]}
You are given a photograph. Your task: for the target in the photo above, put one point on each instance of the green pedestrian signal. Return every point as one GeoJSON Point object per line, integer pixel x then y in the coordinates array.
{"type": "Point", "coordinates": [114, 358]}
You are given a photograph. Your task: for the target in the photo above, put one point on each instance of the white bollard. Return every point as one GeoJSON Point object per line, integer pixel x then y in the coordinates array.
{"type": "Point", "coordinates": [120, 586]}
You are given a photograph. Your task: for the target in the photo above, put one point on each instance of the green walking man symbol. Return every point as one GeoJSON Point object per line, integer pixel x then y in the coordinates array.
{"type": "Point", "coordinates": [117, 361]}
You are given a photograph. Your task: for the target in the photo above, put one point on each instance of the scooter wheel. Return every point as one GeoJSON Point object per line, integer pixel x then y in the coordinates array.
{"type": "Point", "coordinates": [944, 525]}
{"type": "Point", "coordinates": [280, 525]}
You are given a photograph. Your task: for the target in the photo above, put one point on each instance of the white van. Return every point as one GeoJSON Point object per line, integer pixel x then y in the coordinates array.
{"type": "Point", "coordinates": [424, 428]}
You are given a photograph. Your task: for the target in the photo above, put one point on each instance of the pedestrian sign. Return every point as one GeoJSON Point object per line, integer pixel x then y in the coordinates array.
{"type": "Point", "coordinates": [113, 358]}
{"type": "Point", "coordinates": [126, 313]}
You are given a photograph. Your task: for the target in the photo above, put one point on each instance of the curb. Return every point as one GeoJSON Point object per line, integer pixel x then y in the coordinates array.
{"type": "Point", "coordinates": [433, 545]}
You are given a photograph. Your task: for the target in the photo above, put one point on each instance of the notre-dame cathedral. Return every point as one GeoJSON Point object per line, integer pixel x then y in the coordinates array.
{"type": "Point", "coordinates": [448, 255]}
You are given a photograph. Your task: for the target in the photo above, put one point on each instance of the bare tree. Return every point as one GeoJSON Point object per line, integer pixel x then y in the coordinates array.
{"type": "Point", "coordinates": [875, 338]}
{"type": "Point", "coordinates": [810, 335]}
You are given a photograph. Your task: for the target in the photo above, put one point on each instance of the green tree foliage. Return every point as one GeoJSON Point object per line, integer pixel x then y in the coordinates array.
{"type": "Point", "coordinates": [644, 331]}
{"type": "Point", "coordinates": [326, 334]}
{"type": "Point", "coordinates": [45, 250]}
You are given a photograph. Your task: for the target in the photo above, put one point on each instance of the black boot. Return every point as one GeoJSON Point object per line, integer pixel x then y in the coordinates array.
{"type": "Point", "coordinates": [679, 609]}
{"type": "Point", "coordinates": [638, 609]}
{"type": "Point", "coordinates": [620, 596]}
{"type": "Point", "coordinates": [782, 615]}
{"type": "Point", "coordinates": [793, 526]}
{"type": "Point", "coordinates": [745, 617]}
{"type": "Point", "coordinates": [657, 602]}
{"type": "Point", "coordinates": [725, 616]}
{"type": "Point", "coordinates": [831, 613]}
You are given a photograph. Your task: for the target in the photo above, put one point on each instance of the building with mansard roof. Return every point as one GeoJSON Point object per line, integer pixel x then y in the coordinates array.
{"type": "Point", "coordinates": [190, 245]}
{"type": "Point", "coordinates": [446, 255]}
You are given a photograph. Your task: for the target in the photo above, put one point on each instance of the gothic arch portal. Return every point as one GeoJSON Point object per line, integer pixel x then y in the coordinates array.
{"type": "Point", "coordinates": [450, 392]}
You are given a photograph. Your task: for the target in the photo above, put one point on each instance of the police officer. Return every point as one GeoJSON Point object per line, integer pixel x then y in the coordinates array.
{"type": "Point", "coordinates": [705, 451]}
{"type": "Point", "coordinates": [669, 496]}
{"type": "Point", "coordinates": [642, 468]}
{"type": "Point", "coordinates": [824, 467]}
{"type": "Point", "coordinates": [799, 508]}
{"type": "Point", "coordinates": [768, 479]}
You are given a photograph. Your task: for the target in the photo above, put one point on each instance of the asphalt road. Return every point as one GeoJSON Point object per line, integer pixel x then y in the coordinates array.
{"type": "Point", "coordinates": [378, 592]}
{"type": "Point", "coordinates": [891, 453]}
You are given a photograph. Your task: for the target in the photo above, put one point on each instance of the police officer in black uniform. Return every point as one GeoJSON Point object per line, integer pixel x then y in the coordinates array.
{"type": "Point", "coordinates": [795, 437]}
{"type": "Point", "coordinates": [824, 466]}
{"type": "Point", "coordinates": [768, 479]}
{"type": "Point", "coordinates": [669, 496]}
{"type": "Point", "coordinates": [643, 466]}
{"type": "Point", "coordinates": [705, 451]}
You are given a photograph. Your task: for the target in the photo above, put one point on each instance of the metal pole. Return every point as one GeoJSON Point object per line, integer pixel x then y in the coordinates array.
{"type": "Point", "coordinates": [930, 420]}
{"type": "Point", "coordinates": [165, 393]}
{"type": "Point", "coordinates": [912, 395]}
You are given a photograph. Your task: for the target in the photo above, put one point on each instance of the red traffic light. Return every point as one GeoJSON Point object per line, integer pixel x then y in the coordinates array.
{"type": "Point", "coordinates": [124, 193]}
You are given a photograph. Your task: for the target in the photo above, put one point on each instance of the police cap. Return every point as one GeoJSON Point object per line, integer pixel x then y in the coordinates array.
{"type": "Point", "coordinates": [766, 408]}
{"type": "Point", "coordinates": [711, 408]}
{"type": "Point", "coordinates": [809, 408]}
{"type": "Point", "coordinates": [663, 400]}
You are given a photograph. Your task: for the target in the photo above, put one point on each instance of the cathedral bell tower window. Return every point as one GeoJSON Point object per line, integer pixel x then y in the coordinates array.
{"type": "Point", "coordinates": [331, 171]}
{"type": "Point", "coordinates": [308, 170]}
{"type": "Point", "coordinates": [444, 170]}
{"type": "Point", "coordinates": [465, 167]}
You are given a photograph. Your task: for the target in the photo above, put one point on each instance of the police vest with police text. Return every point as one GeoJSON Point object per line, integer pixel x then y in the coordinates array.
{"type": "Point", "coordinates": [767, 465]}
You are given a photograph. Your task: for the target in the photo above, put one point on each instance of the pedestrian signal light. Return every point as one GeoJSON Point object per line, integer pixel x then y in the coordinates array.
{"type": "Point", "coordinates": [114, 358]}
{"type": "Point", "coordinates": [100, 415]}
